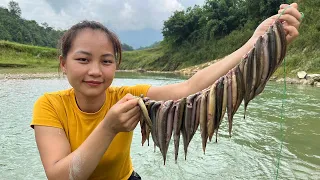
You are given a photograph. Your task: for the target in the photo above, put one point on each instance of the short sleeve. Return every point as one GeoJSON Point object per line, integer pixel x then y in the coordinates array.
{"type": "Point", "coordinates": [44, 114]}
{"type": "Point", "coordinates": [136, 90]}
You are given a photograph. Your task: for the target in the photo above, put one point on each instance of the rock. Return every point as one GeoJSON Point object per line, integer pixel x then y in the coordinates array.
{"type": "Point", "coordinates": [315, 77]}
{"type": "Point", "coordinates": [317, 84]}
{"type": "Point", "coordinates": [301, 74]}
{"type": "Point", "coordinates": [307, 81]}
{"type": "Point", "coordinates": [141, 70]}
{"type": "Point", "coordinates": [289, 80]}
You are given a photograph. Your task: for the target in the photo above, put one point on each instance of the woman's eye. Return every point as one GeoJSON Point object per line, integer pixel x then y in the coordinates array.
{"type": "Point", "coordinates": [82, 59]}
{"type": "Point", "coordinates": [107, 61]}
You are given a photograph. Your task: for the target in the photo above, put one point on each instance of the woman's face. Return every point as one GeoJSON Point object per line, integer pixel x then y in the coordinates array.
{"type": "Point", "coordinates": [90, 63]}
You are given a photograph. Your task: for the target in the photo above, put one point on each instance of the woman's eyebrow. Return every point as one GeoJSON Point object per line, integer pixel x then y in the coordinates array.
{"type": "Point", "coordinates": [89, 54]}
{"type": "Point", "coordinates": [83, 52]}
{"type": "Point", "coordinates": [108, 55]}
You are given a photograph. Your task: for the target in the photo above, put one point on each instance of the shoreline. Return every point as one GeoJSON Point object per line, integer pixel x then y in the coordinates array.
{"type": "Point", "coordinates": [32, 75]}
{"type": "Point", "coordinates": [44, 75]}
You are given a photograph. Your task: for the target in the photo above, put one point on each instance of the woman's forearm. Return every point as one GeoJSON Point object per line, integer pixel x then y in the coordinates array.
{"type": "Point", "coordinates": [82, 162]}
{"type": "Point", "coordinates": [207, 76]}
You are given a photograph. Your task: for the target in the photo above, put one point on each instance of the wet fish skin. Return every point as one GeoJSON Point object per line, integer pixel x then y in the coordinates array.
{"type": "Point", "coordinates": [186, 134]}
{"type": "Point", "coordinates": [170, 120]}
{"type": "Point", "coordinates": [278, 44]}
{"type": "Point", "coordinates": [162, 127]}
{"type": "Point", "coordinates": [219, 104]}
{"type": "Point", "coordinates": [145, 112]}
{"type": "Point", "coordinates": [154, 111]}
{"type": "Point", "coordinates": [224, 99]}
{"type": "Point", "coordinates": [198, 113]}
{"type": "Point", "coordinates": [211, 110]}
{"type": "Point", "coordinates": [259, 65]}
{"type": "Point", "coordinates": [149, 104]}
{"type": "Point", "coordinates": [272, 51]}
{"type": "Point", "coordinates": [265, 65]}
{"type": "Point", "coordinates": [248, 73]}
{"type": "Point", "coordinates": [283, 40]}
{"type": "Point", "coordinates": [143, 130]}
{"type": "Point", "coordinates": [234, 89]}
{"type": "Point", "coordinates": [240, 86]}
{"type": "Point", "coordinates": [177, 122]}
{"type": "Point", "coordinates": [203, 121]}
{"type": "Point", "coordinates": [193, 116]}
{"type": "Point", "coordinates": [229, 100]}
{"type": "Point", "coordinates": [254, 75]}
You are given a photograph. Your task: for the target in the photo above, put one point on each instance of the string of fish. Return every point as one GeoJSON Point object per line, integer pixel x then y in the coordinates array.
{"type": "Point", "coordinates": [206, 108]}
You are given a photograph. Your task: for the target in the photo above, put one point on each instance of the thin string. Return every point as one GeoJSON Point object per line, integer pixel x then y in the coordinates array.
{"type": "Point", "coordinates": [282, 108]}
{"type": "Point", "coordinates": [283, 103]}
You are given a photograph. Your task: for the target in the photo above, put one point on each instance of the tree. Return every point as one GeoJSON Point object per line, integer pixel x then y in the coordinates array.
{"type": "Point", "coordinates": [14, 8]}
{"type": "Point", "coordinates": [127, 47]}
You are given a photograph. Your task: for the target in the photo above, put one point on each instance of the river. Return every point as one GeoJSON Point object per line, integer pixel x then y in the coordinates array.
{"type": "Point", "coordinates": [251, 153]}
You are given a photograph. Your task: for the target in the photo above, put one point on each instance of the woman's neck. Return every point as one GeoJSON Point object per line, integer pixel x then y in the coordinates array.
{"type": "Point", "coordinates": [90, 104]}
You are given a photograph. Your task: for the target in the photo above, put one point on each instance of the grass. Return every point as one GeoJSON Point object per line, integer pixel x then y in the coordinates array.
{"type": "Point", "coordinates": [18, 58]}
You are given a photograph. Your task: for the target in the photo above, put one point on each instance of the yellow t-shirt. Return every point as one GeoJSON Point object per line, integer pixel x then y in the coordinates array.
{"type": "Point", "coordinates": [59, 109]}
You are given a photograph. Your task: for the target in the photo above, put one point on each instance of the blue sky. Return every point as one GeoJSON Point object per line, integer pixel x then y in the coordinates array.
{"type": "Point", "coordinates": [137, 22]}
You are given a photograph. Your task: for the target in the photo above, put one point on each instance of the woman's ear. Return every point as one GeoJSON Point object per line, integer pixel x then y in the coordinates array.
{"type": "Point", "coordinates": [62, 64]}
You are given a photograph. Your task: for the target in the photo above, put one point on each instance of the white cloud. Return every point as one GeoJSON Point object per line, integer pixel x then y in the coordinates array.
{"type": "Point", "coordinates": [121, 15]}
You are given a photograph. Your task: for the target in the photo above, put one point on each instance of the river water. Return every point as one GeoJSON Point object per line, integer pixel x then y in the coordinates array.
{"type": "Point", "coordinates": [251, 153]}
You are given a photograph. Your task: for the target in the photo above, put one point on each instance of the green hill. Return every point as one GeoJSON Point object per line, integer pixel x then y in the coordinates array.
{"type": "Point", "coordinates": [191, 37]}
{"type": "Point", "coordinates": [181, 50]}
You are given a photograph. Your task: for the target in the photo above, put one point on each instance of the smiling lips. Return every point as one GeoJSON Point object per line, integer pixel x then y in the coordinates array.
{"type": "Point", "coordinates": [93, 83]}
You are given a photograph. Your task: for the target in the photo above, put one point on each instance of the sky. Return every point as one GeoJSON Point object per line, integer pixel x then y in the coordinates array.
{"type": "Point", "coordinates": [136, 22]}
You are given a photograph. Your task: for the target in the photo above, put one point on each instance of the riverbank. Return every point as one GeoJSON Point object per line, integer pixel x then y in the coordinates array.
{"type": "Point", "coordinates": [42, 75]}
{"type": "Point", "coordinates": [308, 79]}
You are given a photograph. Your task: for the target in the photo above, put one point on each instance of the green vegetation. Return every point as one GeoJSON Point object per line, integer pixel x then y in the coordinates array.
{"type": "Point", "coordinates": [192, 36]}
{"type": "Point", "coordinates": [18, 58]}
{"type": "Point", "coordinates": [16, 29]}
{"type": "Point", "coordinates": [202, 34]}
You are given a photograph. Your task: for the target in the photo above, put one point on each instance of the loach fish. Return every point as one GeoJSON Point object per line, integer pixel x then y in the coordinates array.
{"type": "Point", "coordinates": [219, 104]}
{"type": "Point", "coordinates": [272, 51]}
{"type": "Point", "coordinates": [145, 112]}
{"type": "Point", "coordinates": [154, 117]}
{"type": "Point", "coordinates": [162, 127]}
{"type": "Point", "coordinates": [169, 127]}
{"type": "Point", "coordinates": [229, 100]}
{"type": "Point", "coordinates": [248, 72]}
{"type": "Point", "coordinates": [211, 110]}
{"type": "Point", "coordinates": [177, 122]}
{"type": "Point", "coordinates": [185, 130]}
{"type": "Point", "coordinates": [203, 120]}
{"type": "Point", "coordinates": [259, 66]}
{"type": "Point", "coordinates": [208, 106]}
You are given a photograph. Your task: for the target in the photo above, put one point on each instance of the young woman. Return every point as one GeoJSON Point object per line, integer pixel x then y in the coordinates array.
{"type": "Point", "coordinates": [85, 132]}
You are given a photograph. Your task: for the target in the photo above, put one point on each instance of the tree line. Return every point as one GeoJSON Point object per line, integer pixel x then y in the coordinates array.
{"type": "Point", "coordinates": [216, 19]}
{"type": "Point", "coordinates": [16, 29]}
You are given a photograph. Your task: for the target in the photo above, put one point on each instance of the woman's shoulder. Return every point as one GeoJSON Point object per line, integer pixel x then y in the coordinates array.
{"type": "Point", "coordinates": [56, 96]}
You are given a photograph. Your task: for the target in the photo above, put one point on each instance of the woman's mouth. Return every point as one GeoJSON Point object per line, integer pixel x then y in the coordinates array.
{"type": "Point", "coordinates": [93, 83]}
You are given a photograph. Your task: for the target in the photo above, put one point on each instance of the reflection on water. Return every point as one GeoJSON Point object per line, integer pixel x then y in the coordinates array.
{"type": "Point", "coordinates": [251, 153]}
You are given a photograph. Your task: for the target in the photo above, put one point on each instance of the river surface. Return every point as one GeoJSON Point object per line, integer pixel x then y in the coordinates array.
{"type": "Point", "coordinates": [251, 153]}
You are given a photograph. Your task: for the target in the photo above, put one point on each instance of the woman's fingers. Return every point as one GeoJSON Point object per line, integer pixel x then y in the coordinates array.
{"type": "Point", "coordinates": [291, 12]}
{"type": "Point", "coordinates": [128, 105]}
{"type": "Point", "coordinates": [292, 33]}
{"type": "Point", "coordinates": [132, 112]}
{"type": "Point", "coordinates": [132, 122]}
{"type": "Point", "coordinates": [127, 97]}
{"type": "Point", "coordinates": [290, 20]}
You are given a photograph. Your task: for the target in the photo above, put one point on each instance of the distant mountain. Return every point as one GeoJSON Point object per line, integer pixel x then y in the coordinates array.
{"type": "Point", "coordinates": [140, 38]}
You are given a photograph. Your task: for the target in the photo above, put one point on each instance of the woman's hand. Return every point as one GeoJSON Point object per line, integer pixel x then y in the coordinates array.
{"type": "Point", "coordinates": [290, 18]}
{"type": "Point", "coordinates": [123, 116]}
